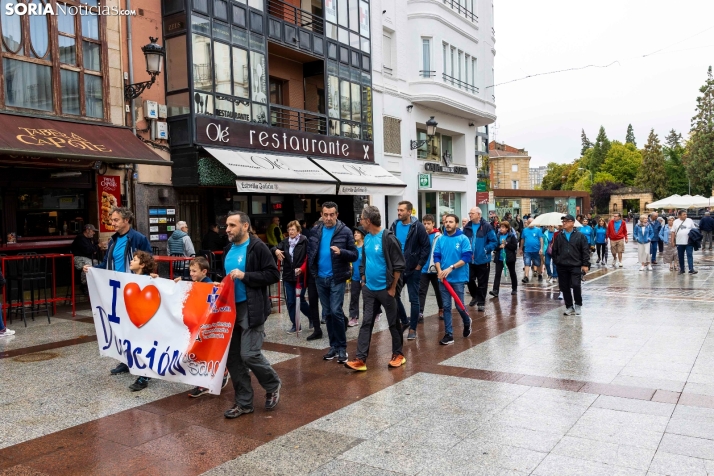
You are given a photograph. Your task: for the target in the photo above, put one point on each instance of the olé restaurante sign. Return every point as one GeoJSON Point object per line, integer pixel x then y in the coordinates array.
{"type": "Point", "coordinates": [245, 135]}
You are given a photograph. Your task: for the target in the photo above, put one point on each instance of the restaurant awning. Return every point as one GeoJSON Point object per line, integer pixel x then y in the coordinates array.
{"type": "Point", "coordinates": [361, 178]}
{"type": "Point", "coordinates": [22, 136]}
{"type": "Point", "coordinates": [274, 173]}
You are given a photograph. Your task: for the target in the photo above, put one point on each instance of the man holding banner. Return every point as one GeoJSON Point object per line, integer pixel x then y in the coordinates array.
{"type": "Point", "coordinates": [247, 260]}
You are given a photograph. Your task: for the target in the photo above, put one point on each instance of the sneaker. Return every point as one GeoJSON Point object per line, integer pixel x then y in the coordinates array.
{"type": "Point", "coordinates": [472, 303]}
{"type": "Point", "coordinates": [549, 280]}
{"type": "Point", "coordinates": [578, 310]}
{"type": "Point", "coordinates": [315, 336]}
{"type": "Point", "coordinates": [441, 314]}
{"type": "Point", "coordinates": [9, 332]}
{"type": "Point", "coordinates": [524, 280]}
{"type": "Point", "coordinates": [272, 398]}
{"type": "Point", "coordinates": [447, 340]}
{"type": "Point", "coordinates": [122, 368]}
{"type": "Point", "coordinates": [642, 268]}
{"type": "Point", "coordinates": [140, 384]}
{"type": "Point", "coordinates": [655, 263]}
{"type": "Point", "coordinates": [197, 392]}
{"type": "Point", "coordinates": [493, 293]}
{"type": "Point", "coordinates": [330, 355]}
{"type": "Point", "coordinates": [614, 264]}
{"type": "Point", "coordinates": [292, 330]}
{"type": "Point", "coordinates": [341, 356]}
{"type": "Point", "coordinates": [353, 322]}
{"type": "Point", "coordinates": [226, 376]}
{"type": "Point", "coordinates": [569, 312]}
{"type": "Point", "coordinates": [481, 308]}
{"type": "Point", "coordinates": [237, 411]}
{"type": "Point", "coordinates": [411, 335]}
{"type": "Point", "coordinates": [694, 271]}
{"type": "Point", "coordinates": [397, 361]}
{"type": "Point", "coordinates": [540, 277]}
{"type": "Point", "coordinates": [421, 317]}
{"type": "Point", "coordinates": [467, 329]}
{"type": "Point", "coordinates": [514, 292]}
{"type": "Point", "coordinates": [357, 364]}
{"type": "Point", "coordinates": [649, 267]}
{"type": "Point", "coordinates": [619, 264]}
{"type": "Point", "coordinates": [560, 296]}
{"type": "Point", "coordinates": [598, 261]}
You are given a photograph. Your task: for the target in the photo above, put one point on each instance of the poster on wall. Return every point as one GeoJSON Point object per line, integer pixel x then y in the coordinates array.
{"type": "Point", "coordinates": [162, 223]}
{"type": "Point", "coordinates": [108, 196]}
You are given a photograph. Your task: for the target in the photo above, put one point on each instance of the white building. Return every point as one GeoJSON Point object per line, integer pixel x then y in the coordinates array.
{"type": "Point", "coordinates": [536, 175]}
{"type": "Point", "coordinates": [433, 58]}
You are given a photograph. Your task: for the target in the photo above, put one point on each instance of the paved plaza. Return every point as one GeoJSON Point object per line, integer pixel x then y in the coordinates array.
{"type": "Point", "coordinates": [625, 389]}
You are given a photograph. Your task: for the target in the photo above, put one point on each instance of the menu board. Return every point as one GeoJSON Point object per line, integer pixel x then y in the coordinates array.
{"type": "Point", "coordinates": [162, 223]}
{"type": "Point", "coordinates": [108, 196]}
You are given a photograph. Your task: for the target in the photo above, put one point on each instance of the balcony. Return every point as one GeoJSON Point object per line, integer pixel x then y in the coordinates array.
{"type": "Point", "coordinates": [297, 119]}
{"type": "Point", "coordinates": [470, 88]}
{"type": "Point", "coordinates": [451, 95]}
{"type": "Point", "coordinates": [462, 10]}
{"type": "Point", "coordinates": [296, 27]}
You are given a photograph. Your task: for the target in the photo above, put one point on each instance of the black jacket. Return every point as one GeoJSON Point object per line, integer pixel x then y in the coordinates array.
{"type": "Point", "coordinates": [83, 246]}
{"type": "Point", "coordinates": [212, 241]}
{"type": "Point", "coordinates": [573, 253]}
{"type": "Point", "coordinates": [341, 238]}
{"type": "Point", "coordinates": [511, 248]}
{"type": "Point", "coordinates": [260, 273]}
{"type": "Point", "coordinates": [706, 224]}
{"type": "Point", "coordinates": [290, 264]}
{"type": "Point", "coordinates": [392, 250]}
{"type": "Point", "coordinates": [417, 248]}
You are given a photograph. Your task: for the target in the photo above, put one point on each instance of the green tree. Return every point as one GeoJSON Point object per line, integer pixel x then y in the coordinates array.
{"type": "Point", "coordinates": [573, 173]}
{"type": "Point", "coordinates": [677, 181]}
{"type": "Point", "coordinates": [623, 161]}
{"type": "Point", "coordinates": [585, 141]}
{"type": "Point", "coordinates": [652, 174]}
{"type": "Point", "coordinates": [630, 137]}
{"type": "Point", "coordinates": [699, 156]}
{"type": "Point", "coordinates": [600, 150]}
{"type": "Point", "coordinates": [553, 178]}
{"type": "Point", "coordinates": [603, 177]}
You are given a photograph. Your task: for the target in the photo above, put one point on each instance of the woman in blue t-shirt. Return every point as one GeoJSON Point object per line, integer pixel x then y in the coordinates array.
{"type": "Point", "coordinates": [505, 255]}
{"type": "Point", "coordinates": [600, 232]}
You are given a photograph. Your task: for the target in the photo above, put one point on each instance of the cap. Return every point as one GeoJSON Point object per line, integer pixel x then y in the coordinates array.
{"type": "Point", "coordinates": [567, 218]}
{"type": "Point", "coordinates": [89, 226]}
{"type": "Point", "coordinates": [360, 229]}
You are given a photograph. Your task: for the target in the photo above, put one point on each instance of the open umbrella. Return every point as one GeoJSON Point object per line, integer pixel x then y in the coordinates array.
{"type": "Point", "coordinates": [551, 219]}
{"type": "Point", "coordinates": [664, 202]}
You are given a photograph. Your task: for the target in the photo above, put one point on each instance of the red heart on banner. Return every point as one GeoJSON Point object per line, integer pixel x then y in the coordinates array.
{"type": "Point", "coordinates": [141, 304]}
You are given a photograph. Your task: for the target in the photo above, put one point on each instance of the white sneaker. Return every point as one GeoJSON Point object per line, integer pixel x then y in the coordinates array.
{"type": "Point", "coordinates": [560, 295]}
{"type": "Point", "coordinates": [619, 264]}
{"type": "Point", "coordinates": [642, 268]}
{"type": "Point", "coordinates": [578, 310]}
{"type": "Point", "coordinates": [7, 332]}
{"type": "Point", "coordinates": [569, 311]}
{"type": "Point", "coordinates": [614, 264]}
{"type": "Point", "coordinates": [649, 267]}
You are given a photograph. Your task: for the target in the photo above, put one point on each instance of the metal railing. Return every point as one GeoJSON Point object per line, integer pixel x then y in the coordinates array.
{"type": "Point", "coordinates": [387, 71]}
{"type": "Point", "coordinates": [291, 14]}
{"type": "Point", "coordinates": [459, 84]}
{"type": "Point", "coordinates": [425, 73]}
{"type": "Point", "coordinates": [461, 10]}
{"type": "Point", "coordinates": [297, 119]}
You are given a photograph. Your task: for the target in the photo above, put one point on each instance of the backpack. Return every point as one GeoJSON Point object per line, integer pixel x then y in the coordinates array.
{"type": "Point", "coordinates": [695, 238]}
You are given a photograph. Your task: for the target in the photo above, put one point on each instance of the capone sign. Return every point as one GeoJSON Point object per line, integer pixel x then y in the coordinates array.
{"type": "Point", "coordinates": [245, 135]}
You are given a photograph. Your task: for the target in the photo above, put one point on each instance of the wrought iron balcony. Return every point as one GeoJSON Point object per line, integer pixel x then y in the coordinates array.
{"type": "Point", "coordinates": [298, 119]}
{"type": "Point", "coordinates": [461, 10]}
{"type": "Point", "coordinates": [460, 84]}
{"type": "Point", "coordinates": [291, 14]}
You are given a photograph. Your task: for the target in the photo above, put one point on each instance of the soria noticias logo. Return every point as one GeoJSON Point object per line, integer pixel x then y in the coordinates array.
{"type": "Point", "coordinates": [22, 9]}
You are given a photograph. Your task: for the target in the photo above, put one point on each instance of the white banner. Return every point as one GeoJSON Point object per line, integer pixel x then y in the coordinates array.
{"type": "Point", "coordinates": [161, 329]}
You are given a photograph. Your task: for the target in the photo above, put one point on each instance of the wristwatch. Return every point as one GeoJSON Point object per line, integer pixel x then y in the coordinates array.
{"type": "Point", "coordinates": [452, 267]}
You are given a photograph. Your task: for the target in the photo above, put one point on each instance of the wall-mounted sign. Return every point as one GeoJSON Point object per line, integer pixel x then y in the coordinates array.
{"type": "Point", "coordinates": [246, 135]}
{"type": "Point", "coordinates": [162, 222]}
{"type": "Point", "coordinates": [481, 198]}
{"type": "Point", "coordinates": [109, 196]}
{"type": "Point", "coordinates": [425, 181]}
{"type": "Point", "coordinates": [434, 167]}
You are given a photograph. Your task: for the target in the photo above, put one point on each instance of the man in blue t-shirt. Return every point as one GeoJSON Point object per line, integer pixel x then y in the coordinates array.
{"type": "Point", "coordinates": [532, 249]}
{"type": "Point", "coordinates": [381, 267]}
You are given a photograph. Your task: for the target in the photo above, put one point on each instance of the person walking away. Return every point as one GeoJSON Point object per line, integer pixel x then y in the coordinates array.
{"type": "Point", "coordinates": [212, 240]}
{"type": "Point", "coordinates": [355, 281]}
{"type": "Point", "coordinates": [330, 253]}
{"type": "Point", "coordinates": [248, 261]}
{"type": "Point", "coordinates": [142, 263]}
{"type": "Point", "coordinates": [451, 254]}
{"type": "Point", "coordinates": [706, 226]}
{"type": "Point", "coordinates": [295, 245]}
{"type": "Point", "coordinates": [532, 249]}
{"type": "Point", "coordinates": [482, 237]}
{"type": "Point", "coordinates": [179, 242]}
{"type": "Point", "coordinates": [654, 222]}
{"type": "Point", "coordinates": [547, 241]}
{"type": "Point", "coordinates": [380, 273]}
{"type": "Point", "coordinates": [428, 273]}
{"type": "Point", "coordinates": [415, 246]}
{"type": "Point", "coordinates": [505, 256]}
{"type": "Point", "coordinates": [617, 234]}
{"type": "Point", "coordinates": [670, 250]}
{"type": "Point", "coordinates": [571, 254]}
{"type": "Point", "coordinates": [85, 252]}
{"type": "Point", "coordinates": [600, 232]}
{"type": "Point", "coordinates": [642, 234]}
{"type": "Point", "coordinates": [273, 234]}
{"type": "Point", "coordinates": [679, 236]}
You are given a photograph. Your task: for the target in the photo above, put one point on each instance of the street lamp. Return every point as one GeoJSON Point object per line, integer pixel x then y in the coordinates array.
{"type": "Point", "coordinates": [591, 174]}
{"type": "Point", "coordinates": [430, 132]}
{"type": "Point", "coordinates": [154, 55]}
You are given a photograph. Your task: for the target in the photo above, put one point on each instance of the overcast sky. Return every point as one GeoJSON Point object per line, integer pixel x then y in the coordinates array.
{"type": "Point", "coordinates": [544, 115]}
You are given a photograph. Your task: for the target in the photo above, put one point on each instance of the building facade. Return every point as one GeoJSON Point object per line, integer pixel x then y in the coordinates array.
{"type": "Point", "coordinates": [536, 176]}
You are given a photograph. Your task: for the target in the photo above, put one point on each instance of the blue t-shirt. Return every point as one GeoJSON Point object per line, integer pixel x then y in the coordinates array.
{"type": "Point", "coordinates": [375, 267]}
{"type": "Point", "coordinates": [600, 234]}
{"type": "Point", "coordinates": [616, 225]}
{"type": "Point", "coordinates": [355, 265]}
{"type": "Point", "coordinates": [449, 250]}
{"type": "Point", "coordinates": [425, 268]}
{"type": "Point", "coordinates": [587, 230]}
{"type": "Point", "coordinates": [118, 254]}
{"type": "Point", "coordinates": [567, 234]}
{"type": "Point", "coordinates": [235, 259]}
{"type": "Point", "coordinates": [324, 258]}
{"type": "Point", "coordinates": [532, 236]}
{"type": "Point", "coordinates": [402, 232]}
{"type": "Point", "coordinates": [474, 228]}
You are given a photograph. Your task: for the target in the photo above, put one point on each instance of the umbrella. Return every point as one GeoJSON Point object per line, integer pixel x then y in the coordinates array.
{"type": "Point", "coordinates": [685, 201]}
{"type": "Point", "coordinates": [551, 219]}
{"type": "Point", "coordinates": [704, 202]}
{"type": "Point", "coordinates": [664, 202]}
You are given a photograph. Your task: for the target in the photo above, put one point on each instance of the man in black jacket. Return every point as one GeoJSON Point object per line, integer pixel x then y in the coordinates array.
{"type": "Point", "coordinates": [415, 246]}
{"type": "Point", "coordinates": [248, 261]}
{"type": "Point", "coordinates": [212, 240]}
{"type": "Point", "coordinates": [706, 226]}
{"type": "Point", "coordinates": [380, 272]}
{"type": "Point", "coordinates": [571, 254]}
{"type": "Point", "coordinates": [331, 249]}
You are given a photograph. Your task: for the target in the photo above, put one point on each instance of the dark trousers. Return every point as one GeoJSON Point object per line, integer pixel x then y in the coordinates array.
{"type": "Point", "coordinates": [660, 245]}
{"type": "Point", "coordinates": [313, 299]}
{"type": "Point", "coordinates": [478, 282]}
{"type": "Point", "coordinates": [355, 291]}
{"type": "Point", "coordinates": [332, 297]}
{"type": "Point", "coordinates": [244, 353]}
{"type": "Point", "coordinates": [424, 281]}
{"type": "Point", "coordinates": [291, 301]}
{"type": "Point", "coordinates": [372, 301]}
{"type": "Point", "coordinates": [681, 250]}
{"type": "Point", "coordinates": [499, 272]}
{"type": "Point", "coordinates": [570, 280]}
{"type": "Point", "coordinates": [601, 251]}
{"type": "Point", "coordinates": [653, 250]}
{"type": "Point", "coordinates": [411, 282]}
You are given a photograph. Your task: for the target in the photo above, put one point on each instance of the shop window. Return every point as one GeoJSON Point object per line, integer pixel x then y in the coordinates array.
{"type": "Point", "coordinates": [276, 205]}
{"type": "Point", "coordinates": [42, 212]}
{"type": "Point", "coordinates": [259, 205]}
{"type": "Point", "coordinates": [240, 203]}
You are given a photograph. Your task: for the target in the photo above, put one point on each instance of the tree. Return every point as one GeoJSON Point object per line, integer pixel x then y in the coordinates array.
{"type": "Point", "coordinates": [652, 174]}
{"type": "Point", "coordinates": [600, 195]}
{"type": "Point", "coordinates": [602, 177]}
{"type": "Point", "coordinates": [630, 137]}
{"type": "Point", "coordinates": [673, 139]}
{"type": "Point", "coordinates": [623, 161]}
{"type": "Point", "coordinates": [699, 156]}
{"type": "Point", "coordinates": [677, 181]}
{"type": "Point", "coordinates": [553, 178]}
{"type": "Point", "coordinates": [600, 150]}
{"type": "Point", "coordinates": [585, 141]}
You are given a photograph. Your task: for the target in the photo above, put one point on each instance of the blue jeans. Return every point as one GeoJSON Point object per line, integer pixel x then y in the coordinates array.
{"type": "Point", "coordinates": [332, 298]}
{"type": "Point", "coordinates": [291, 300]}
{"type": "Point", "coordinates": [689, 249]}
{"type": "Point", "coordinates": [446, 298]}
{"type": "Point", "coordinates": [411, 281]}
{"type": "Point", "coordinates": [2, 322]}
{"type": "Point", "coordinates": [550, 266]}
{"type": "Point", "coordinates": [653, 250]}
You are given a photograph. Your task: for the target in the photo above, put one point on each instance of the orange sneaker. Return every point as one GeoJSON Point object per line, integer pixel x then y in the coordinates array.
{"type": "Point", "coordinates": [397, 361]}
{"type": "Point", "coordinates": [356, 364]}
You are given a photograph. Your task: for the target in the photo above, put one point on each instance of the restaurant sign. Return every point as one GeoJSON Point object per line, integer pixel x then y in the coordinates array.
{"type": "Point", "coordinates": [247, 135]}
{"type": "Point", "coordinates": [435, 167]}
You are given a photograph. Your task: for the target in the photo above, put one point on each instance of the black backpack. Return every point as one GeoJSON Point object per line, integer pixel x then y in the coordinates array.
{"type": "Point", "coordinates": [695, 238]}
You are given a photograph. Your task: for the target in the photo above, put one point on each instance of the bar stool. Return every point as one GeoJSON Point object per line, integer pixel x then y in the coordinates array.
{"type": "Point", "coordinates": [181, 268]}
{"type": "Point", "coordinates": [32, 277]}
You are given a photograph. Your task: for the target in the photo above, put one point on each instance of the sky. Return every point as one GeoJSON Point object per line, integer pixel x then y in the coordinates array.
{"type": "Point", "coordinates": [545, 114]}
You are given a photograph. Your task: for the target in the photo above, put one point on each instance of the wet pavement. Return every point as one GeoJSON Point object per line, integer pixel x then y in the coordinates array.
{"type": "Point", "coordinates": [626, 388]}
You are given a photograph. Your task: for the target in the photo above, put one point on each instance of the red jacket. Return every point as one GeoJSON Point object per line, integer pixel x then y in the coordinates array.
{"type": "Point", "coordinates": [612, 236]}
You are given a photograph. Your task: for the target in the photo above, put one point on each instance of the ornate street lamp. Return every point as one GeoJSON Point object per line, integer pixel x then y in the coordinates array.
{"type": "Point", "coordinates": [154, 55]}
{"type": "Point", "coordinates": [430, 132]}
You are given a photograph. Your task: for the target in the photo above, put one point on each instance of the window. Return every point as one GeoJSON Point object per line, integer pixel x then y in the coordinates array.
{"type": "Point", "coordinates": [453, 63]}
{"type": "Point", "coordinates": [460, 67]}
{"type": "Point", "coordinates": [29, 48]}
{"type": "Point", "coordinates": [426, 57]}
{"type": "Point", "coordinates": [392, 135]}
{"type": "Point", "coordinates": [387, 54]}
{"type": "Point", "coordinates": [473, 71]}
{"type": "Point", "coordinates": [444, 54]}
{"type": "Point", "coordinates": [514, 184]}
{"type": "Point", "coordinates": [447, 152]}
{"type": "Point", "coordinates": [514, 168]}
{"type": "Point", "coordinates": [176, 72]}
{"type": "Point", "coordinates": [467, 64]}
